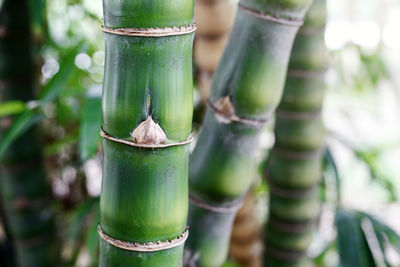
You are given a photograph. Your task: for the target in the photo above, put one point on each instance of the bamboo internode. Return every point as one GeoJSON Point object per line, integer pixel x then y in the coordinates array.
{"type": "Point", "coordinates": [246, 89]}
{"type": "Point", "coordinates": [147, 125]}
{"type": "Point", "coordinates": [294, 168]}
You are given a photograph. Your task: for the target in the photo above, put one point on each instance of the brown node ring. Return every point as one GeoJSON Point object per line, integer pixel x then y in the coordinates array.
{"type": "Point", "coordinates": [291, 193]}
{"type": "Point", "coordinates": [294, 115]}
{"type": "Point", "coordinates": [235, 206]}
{"type": "Point", "coordinates": [298, 155]}
{"type": "Point", "coordinates": [272, 17]}
{"type": "Point", "coordinates": [291, 256]}
{"type": "Point", "coordinates": [293, 228]}
{"type": "Point", "coordinates": [306, 74]}
{"type": "Point", "coordinates": [130, 143]}
{"type": "Point", "coordinates": [151, 32]}
{"type": "Point", "coordinates": [145, 247]}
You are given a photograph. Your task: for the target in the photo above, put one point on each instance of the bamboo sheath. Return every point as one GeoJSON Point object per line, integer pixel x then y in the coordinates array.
{"type": "Point", "coordinates": [246, 89]}
{"type": "Point", "coordinates": [294, 168]}
{"type": "Point", "coordinates": [147, 116]}
{"type": "Point", "coordinates": [23, 187]}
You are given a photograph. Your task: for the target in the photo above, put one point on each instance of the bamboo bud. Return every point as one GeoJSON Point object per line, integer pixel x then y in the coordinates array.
{"type": "Point", "coordinates": [225, 108]}
{"type": "Point", "coordinates": [148, 132]}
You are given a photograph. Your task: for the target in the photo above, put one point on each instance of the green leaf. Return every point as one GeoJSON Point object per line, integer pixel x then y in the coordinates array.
{"type": "Point", "coordinates": [382, 228]}
{"type": "Point", "coordinates": [352, 246]}
{"type": "Point", "coordinates": [375, 246]}
{"type": "Point", "coordinates": [89, 128]}
{"type": "Point", "coordinates": [92, 237]}
{"type": "Point", "coordinates": [59, 81]}
{"type": "Point", "coordinates": [20, 125]}
{"type": "Point", "coordinates": [12, 108]}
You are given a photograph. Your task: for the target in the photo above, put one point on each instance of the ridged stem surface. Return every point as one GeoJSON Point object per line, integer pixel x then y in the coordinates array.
{"type": "Point", "coordinates": [294, 168]}
{"type": "Point", "coordinates": [214, 20]}
{"type": "Point", "coordinates": [147, 100]}
{"type": "Point", "coordinates": [246, 89]}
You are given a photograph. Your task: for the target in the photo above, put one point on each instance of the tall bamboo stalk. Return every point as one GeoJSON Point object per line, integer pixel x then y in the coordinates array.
{"type": "Point", "coordinates": [246, 242]}
{"type": "Point", "coordinates": [294, 167]}
{"type": "Point", "coordinates": [214, 20]}
{"type": "Point", "coordinates": [147, 116]}
{"type": "Point", "coordinates": [246, 89]}
{"type": "Point", "coordinates": [24, 190]}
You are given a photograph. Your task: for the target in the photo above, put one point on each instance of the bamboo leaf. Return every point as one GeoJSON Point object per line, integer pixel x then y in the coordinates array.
{"type": "Point", "coordinates": [329, 161]}
{"type": "Point", "coordinates": [352, 246]}
{"type": "Point", "coordinates": [373, 242]}
{"type": "Point", "coordinates": [12, 108]}
{"type": "Point", "coordinates": [382, 228]}
{"type": "Point", "coordinates": [89, 128]}
{"type": "Point", "coordinates": [92, 237]}
{"type": "Point", "coordinates": [20, 125]}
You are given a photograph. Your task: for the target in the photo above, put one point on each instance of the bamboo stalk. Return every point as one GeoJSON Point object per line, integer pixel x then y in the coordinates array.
{"type": "Point", "coordinates": [24, 189]}
{"type": "Point", "coordinates": [246, 242]}
{"type": "Point", "coordinates": [214, 21]}
{"type": "Point", "coordinates": [294, 168]}
{"type": "Point", "coordinates": [147, 115]}
{"type": "Point", "coordinates": [246, 89]}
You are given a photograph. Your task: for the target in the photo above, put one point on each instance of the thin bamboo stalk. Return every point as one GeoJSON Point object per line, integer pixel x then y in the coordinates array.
{"type": "Point", "coordinates": [246, 243]}
{"type": "Point", "coordinates": [294, 168]}
{"type": "Point", "coordinates": [147, 115]}
{"type": "Point", "coordinates": [246, 89]}
{"type": "Point", "coordinates": [24, 189]}
{"type": "Point", "coordinates": [214, 20]}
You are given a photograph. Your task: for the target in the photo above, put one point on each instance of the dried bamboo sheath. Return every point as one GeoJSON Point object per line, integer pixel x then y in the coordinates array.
{"type": "Point", "coordinates": [294, 167]}
{"type": "Point", "coordinates": [147, 115]}
{"type": "Point", "coordinates": [246, 89]}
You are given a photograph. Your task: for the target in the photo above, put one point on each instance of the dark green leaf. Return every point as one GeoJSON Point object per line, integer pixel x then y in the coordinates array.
{"type": "Point", "coordinates": [89, 128]}
{"type": "Point", "coordinates": [382, 228]}
{"type": "Point", "coordinates": [352, 246]}
{"type": "Point", "coordinates": [20, 125]}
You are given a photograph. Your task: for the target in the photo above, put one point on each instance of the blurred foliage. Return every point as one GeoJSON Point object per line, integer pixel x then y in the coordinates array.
{"type": "Point", "coordinates": [359, 68]}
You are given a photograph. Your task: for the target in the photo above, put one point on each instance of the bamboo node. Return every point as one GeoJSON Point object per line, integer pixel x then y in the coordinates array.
{"type": "Point", "coordinates": [151, 32]}
{"type": "Point", "coordinates": [291, 193]}
{"type": "Point", "coordinates": [224, 208]}
{"type": "Point", "coordinates": [145, 247]}
{"type": "Point", "coordinates": [138, 145]}
{"type": "Point", "coordinates": [272, 17]}
{"type": "Point", "coordinates": [224, 112]}
{"type": "Point", "coordinates": [294, 115]}
{"type": "Point", "coordinates": [280, 254]}
{"type": "Point", "coordinates": [148, 132]}
{"type": "Point", "coordinates": [306, 74]}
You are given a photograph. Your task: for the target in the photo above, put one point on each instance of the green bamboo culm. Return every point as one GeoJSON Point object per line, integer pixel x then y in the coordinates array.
{"type": "Point", "coordinates": [294, 168]}
{"type": "Point", "coordinates": [147, 117]}
{"type": "Point", "coordinates": [23, 187]}
{"type": "Point", "coordinates": [246, 89]}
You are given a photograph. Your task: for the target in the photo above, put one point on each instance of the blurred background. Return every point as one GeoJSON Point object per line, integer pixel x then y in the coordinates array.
{"type": "Point", "coordinates": [361, 114]}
